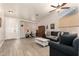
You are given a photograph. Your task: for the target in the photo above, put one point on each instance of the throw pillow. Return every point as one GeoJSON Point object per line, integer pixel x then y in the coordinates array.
{"type": "Point", "coordinates": [67, 39]}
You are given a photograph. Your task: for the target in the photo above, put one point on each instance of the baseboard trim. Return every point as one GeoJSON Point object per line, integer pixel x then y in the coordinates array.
{"type": "Point", "coordinates": [11, 39]}
{"type": "Point", "coordinates": [1, 43]}
{"type": "Point", "coordinates": [22, 37]}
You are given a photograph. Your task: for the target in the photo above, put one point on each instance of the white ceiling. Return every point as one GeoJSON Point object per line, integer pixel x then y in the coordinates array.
{"type": "Point", "coordinates": [27, 10]}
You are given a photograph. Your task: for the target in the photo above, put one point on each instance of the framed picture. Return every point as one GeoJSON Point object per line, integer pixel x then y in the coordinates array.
{"type": "Point", "coordinates": [22, 25]}
{"type": "Point", "coordinates": [52, 26]}
{"type": "Point", "coordinates": [0, 22]}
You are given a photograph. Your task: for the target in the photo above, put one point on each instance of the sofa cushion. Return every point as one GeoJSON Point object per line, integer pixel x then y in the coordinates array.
{"type": "Point", "coordinates": [76, 43]}
{"type": "Point", "coordinates": [61, 48]}
{"type": "Point", "coordinates": [54, 33]}
{"type": "Point", "coordinates": [67, 39]}
{"type": "Point", "coordinates": [48, 33]}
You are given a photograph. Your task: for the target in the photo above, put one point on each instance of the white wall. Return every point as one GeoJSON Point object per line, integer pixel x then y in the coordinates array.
{"type": "Point", "coordinates": [50, 19]}
{"type": "Point", "coordinates": [12, 28]}
{"type": "Point", "coordinates": [2, 32]}
{"type": "Point", "coordinates": [27, 26]}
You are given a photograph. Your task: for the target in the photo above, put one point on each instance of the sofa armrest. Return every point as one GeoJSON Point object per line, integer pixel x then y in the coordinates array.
{"type": "Point", "coordinates": [68, 50]}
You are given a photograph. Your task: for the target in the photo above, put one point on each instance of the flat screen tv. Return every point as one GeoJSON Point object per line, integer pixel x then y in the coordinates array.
{"type": "Point", "coordinates": [53, 33]}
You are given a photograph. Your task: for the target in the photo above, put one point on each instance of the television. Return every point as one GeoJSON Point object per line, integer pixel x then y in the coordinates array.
{"type": "Point", "coordinates": [54, 33]}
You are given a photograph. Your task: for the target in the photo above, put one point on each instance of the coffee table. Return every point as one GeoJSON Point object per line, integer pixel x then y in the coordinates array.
{"type": "Point", "coordinates": [42, 41]}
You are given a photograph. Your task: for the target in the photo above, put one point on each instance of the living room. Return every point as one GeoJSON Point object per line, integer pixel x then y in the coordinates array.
{"type": "Point", "coordinates": [63, 22]}
{"type": "Point", "coordinates": [25, 26]}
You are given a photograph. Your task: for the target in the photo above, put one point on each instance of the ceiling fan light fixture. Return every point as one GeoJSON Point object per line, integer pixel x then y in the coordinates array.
{"type": "Point", "coordinates": [10, 11]}
{"type": "Point", "coordinates": [59, 7]}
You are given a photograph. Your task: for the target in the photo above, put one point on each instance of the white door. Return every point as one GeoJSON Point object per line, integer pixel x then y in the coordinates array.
{"type": "Point", "coordinates": [11, 28]}
{"type": "Point", "coordinates": [22, 29]}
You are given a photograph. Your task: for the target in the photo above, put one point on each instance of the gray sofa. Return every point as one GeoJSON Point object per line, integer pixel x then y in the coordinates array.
{"type": "Point", "coordinates": [65, 48]}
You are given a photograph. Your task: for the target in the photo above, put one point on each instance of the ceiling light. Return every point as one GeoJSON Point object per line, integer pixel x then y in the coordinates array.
{"type": "Point", "coordinates": [10, 11]}
{"type": "Point", "coordinates": [37, 14]}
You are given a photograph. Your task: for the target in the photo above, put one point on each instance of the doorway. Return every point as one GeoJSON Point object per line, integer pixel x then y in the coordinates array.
{"type": "Point", "coordinates": [12, 28]}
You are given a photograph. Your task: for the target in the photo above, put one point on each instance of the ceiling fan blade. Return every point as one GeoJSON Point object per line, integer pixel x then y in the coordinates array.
{"type": "Point", "coordinates": [58, 5]}
{"type": "Point", "coordinates": [63, 4]}
{"type": "Point", "coordinates": [53, 6]}
{"type": "Point", "coordinates": [65, 7]}
{"type": "Point", "coordinates": [52, 10]}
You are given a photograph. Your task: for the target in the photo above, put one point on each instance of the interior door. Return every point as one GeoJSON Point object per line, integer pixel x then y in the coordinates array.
{"type": "Point", "coordinates": [41, 31]}
{"type": "Point", "coordinates": [11, 28]}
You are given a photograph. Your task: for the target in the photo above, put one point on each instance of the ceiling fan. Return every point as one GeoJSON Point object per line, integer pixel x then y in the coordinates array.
{"type": "Point", "coordinates": [59, 7]}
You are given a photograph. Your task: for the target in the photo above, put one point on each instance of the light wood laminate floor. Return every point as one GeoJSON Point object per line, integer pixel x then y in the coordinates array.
{"type": "Point", "coordinates": [23, 47]}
